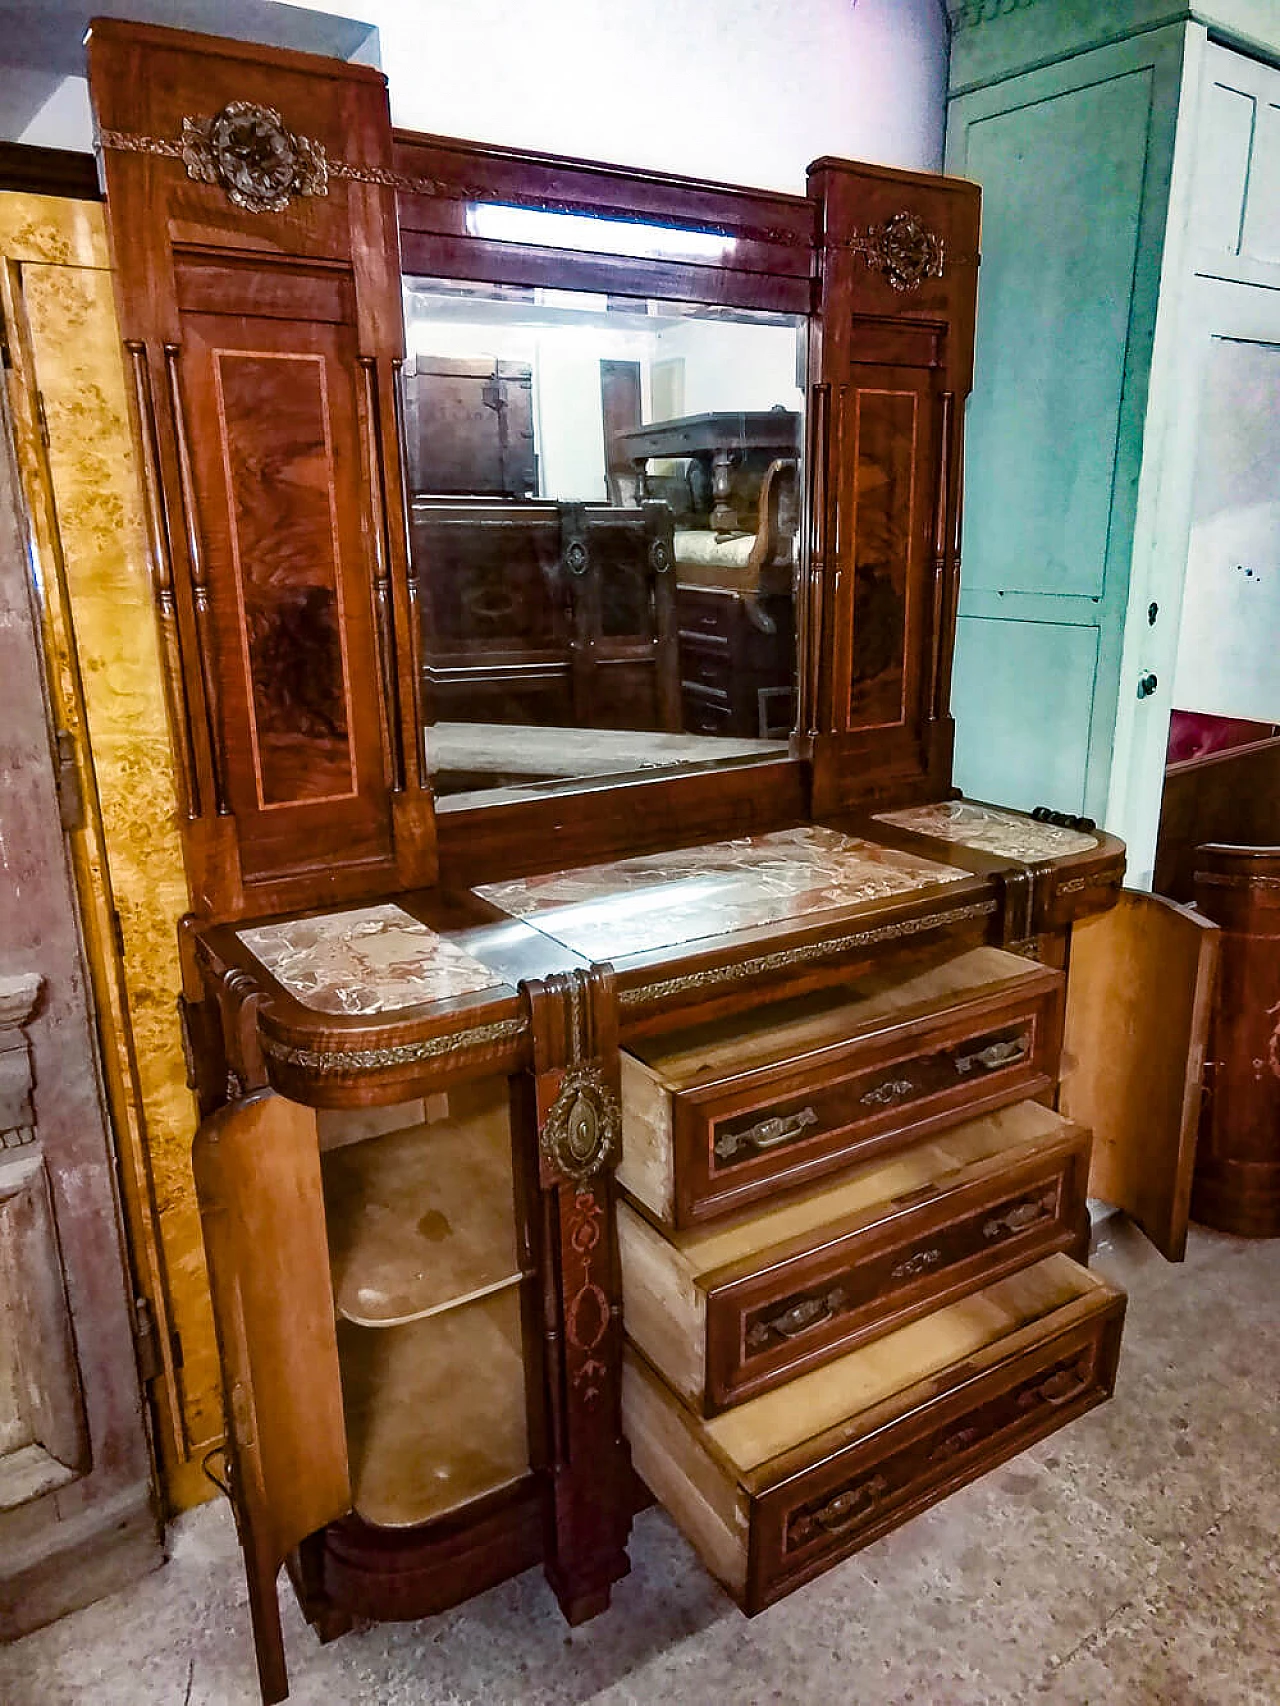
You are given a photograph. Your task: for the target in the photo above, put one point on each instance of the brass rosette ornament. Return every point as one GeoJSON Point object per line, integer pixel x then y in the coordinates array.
{"type": "Point", "coordinates": [247, 149]}
{"type": "Point", "coordinates": [582, 1133]}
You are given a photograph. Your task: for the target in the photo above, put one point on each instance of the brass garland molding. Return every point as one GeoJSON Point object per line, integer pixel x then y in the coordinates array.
{"type": "Point", "coordinates": [261, 165]}
{"type": "Point", "coordinates": [175, 691]}
{"type": "Point", "coordinates": [903, 249]}
{"type": "Point", "coordinates": [746, 970]}
{"type": "Point", "coordinates": [398, 1054]}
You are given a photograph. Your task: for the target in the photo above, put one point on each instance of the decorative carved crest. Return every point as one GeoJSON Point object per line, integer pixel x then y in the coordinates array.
{"type": "Point", "coordinates": [583, 1130]}
{"type": "Point", "coordinates": [258, 162]}
{"type": "Point", "coordinates": [903, 249]}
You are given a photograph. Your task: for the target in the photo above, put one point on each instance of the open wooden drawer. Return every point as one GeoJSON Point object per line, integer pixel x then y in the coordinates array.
{"type": "Point", "coordinates": [733, 1309]}
{"type": "Point", "coordinates": [775, 1491]}
{"type": "Point", "coordinates": [721, 1115]}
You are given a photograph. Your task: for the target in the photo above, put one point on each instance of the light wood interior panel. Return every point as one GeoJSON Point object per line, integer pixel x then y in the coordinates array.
{"type": "Point", "coordinates": [683, 1059]}
{"type": "Point", "coordinates": [435, 1410]}
{"type": "Point", "coordinates": [753, 1434]}
{"type": "Point", "coordinates": [423, 1218]}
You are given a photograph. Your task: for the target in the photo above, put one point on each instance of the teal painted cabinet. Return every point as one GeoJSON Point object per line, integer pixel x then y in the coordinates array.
{"type": "Point", "coordinates": [1092, 130]}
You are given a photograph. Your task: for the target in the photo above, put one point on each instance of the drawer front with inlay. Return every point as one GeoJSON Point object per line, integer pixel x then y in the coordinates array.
{"type": "Point", "coordinates": [737, 1143]}
{"type": "Point", "coordinates": [805, 1526]}
{"type": "Point", "coordinates": [795, 1315]}
{"type": "Point", "coordinates": [776, 1490]}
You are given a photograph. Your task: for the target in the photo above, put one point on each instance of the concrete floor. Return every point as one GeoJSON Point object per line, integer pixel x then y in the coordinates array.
{"type": "Point", "coordinates": [1134, 1557]}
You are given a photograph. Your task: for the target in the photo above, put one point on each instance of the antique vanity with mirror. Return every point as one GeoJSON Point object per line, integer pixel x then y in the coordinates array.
{"type": "Point", "coordinates": [616, 1043]}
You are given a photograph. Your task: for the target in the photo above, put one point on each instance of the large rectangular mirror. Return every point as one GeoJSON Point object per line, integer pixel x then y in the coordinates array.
{"type": "Point", "coordinates": [605, 498]}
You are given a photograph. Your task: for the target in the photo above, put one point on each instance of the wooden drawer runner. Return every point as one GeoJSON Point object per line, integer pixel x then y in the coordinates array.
{"type": "Point", "coordinates": [730, 1310]}
{"type": "Point", "coordinates": [722, 1115]}
{"type": "Point", "coordinates": [777, 1490]}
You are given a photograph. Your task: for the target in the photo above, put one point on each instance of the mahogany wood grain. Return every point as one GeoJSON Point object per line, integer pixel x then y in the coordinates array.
{"type": "Point", "coordinates": [1237, 1172]}
{"type": "Point", "coordinates": [268, 342]}
{"type": "Point", "coordinates": [1139, 990]}
{"type": "Point", "coordinates": [891, 367]}
{"type": "Point", "coordinates": [1230, 797]}
{"type": "Point", "coordinates": [257, 1165]}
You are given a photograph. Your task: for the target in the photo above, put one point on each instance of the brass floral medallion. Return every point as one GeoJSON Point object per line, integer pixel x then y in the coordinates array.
{"type": "Point", "coordinates": [247, 149]}
{"type": "Point", "coordinates": [583, 1131]}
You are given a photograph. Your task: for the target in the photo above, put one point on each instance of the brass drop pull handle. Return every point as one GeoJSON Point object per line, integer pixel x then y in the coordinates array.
{"type": "Point", "coordinates": [884, 1095]}
{"type": "Point", "coordinates": [812, 1312]}
{"type": "Point", "coordinates": [995, 1055]}
{"type": "Point", "coordinates": [1061, 1387]}
{"type": "Point", "coordinates": [1020, 1216]}
{"type": "Point", "coordinates": [765, 1134]}
{"type": "Point", "coordinates": [848, 1506]}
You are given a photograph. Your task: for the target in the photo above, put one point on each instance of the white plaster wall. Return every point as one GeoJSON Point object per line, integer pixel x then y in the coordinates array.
{"type": "Point", "coordinates": [748, 91]}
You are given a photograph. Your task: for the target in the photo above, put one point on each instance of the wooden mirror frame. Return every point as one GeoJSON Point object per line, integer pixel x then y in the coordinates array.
{"type": "Point", "coordinates": [883, 264]}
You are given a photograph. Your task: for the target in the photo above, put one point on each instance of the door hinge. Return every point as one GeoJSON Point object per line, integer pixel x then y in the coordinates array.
{"type": "Point", "coordinates": [42, 420]}
{"type": "Point", "coordinates": [70, 798]}
{"type": "Point", "coordinates": [146, 1341]}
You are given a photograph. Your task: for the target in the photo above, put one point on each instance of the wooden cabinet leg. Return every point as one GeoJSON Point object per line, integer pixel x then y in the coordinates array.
{"type": "Point", "coordinates": [264, 1612]}
{"type": "Point", "coordinates": [570, 1108]}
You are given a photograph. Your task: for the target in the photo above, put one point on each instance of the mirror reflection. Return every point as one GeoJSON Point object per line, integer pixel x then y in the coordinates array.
{"type": "Point", "coordinates": [604, 523]}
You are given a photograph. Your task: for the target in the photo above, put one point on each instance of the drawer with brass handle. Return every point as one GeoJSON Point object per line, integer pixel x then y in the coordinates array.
{"type": "Point", "coordinates": [734, 1308]}
{"type": "Point", "coordinates": [719, 1116]}
{"type": "Point", "coordinates": [775, 1491]}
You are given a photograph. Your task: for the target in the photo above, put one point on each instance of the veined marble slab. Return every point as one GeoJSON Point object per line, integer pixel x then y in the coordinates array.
{"type": "Point", "coordinates": [990, 830]}
{"type": "Point", "coordinates": [372, 959]}
{"type": "Point", "coordinates": [664, 899]}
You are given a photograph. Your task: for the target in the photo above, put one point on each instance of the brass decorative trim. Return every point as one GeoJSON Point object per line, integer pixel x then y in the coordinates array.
{"type": "Point", "coordinates": [410, 183]}
{"type": "Point", "coordinates": [582, 1133]}
{"type": "Point", "coordinates": [903, 249]}
{"type": "Point", "coordinates": [746, 970]}
{"type": "Point", "coordinates": [398, 1054]}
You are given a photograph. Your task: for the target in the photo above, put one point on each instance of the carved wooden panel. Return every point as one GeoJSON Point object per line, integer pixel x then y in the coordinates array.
{"type": "Point", "coordinates": [891, 361]}
{"type": "Point", "coordinates": [257, 277]}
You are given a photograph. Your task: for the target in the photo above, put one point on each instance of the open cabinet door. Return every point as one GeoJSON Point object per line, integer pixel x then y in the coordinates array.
{"type": "Point", "coordinates": [1139, 985]}
{"type": "Point", "coordinates": [257, 1167]}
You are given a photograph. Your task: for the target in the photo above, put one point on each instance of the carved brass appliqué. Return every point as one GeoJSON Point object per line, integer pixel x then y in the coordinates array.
{"type": "Point", "coordinates": [903, 249]}
{"type": "Point", "coordinates": [583, 1130]}
{"type": "Point", "coordinates": [260, 164]}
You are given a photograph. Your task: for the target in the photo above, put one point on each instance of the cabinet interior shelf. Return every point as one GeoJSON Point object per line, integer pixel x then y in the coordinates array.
{"type": "Point", "coordinates": [422, 1219]}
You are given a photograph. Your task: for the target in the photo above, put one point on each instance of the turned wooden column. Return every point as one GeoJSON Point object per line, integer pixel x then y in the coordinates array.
{"type": "Point", "coordinates": [1237, 1176]}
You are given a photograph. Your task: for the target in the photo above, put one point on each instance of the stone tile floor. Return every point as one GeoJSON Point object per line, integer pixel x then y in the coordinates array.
{"type": "Point", "coordinates": [1133, 1558]}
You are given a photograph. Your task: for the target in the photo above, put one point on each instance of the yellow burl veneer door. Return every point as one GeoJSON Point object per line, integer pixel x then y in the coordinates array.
{"type": "Point", "coordinates": [68, 394]}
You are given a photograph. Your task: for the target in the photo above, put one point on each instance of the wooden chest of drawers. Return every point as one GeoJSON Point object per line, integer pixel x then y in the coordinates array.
{"type": "Point", "coordinates": [846, 1260]}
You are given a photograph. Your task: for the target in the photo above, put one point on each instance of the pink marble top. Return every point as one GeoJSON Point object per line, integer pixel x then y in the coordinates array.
{"type": "Point", "coordinates": [990, 830]}
{"type": "Point", "coordinates": [665, 899]}
{"type": "Point", "coordinates": [372, 959]}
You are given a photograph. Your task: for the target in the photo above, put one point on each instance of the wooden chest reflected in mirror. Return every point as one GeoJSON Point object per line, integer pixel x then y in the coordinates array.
{"type": "Point", "coordinates": [604, 496]}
